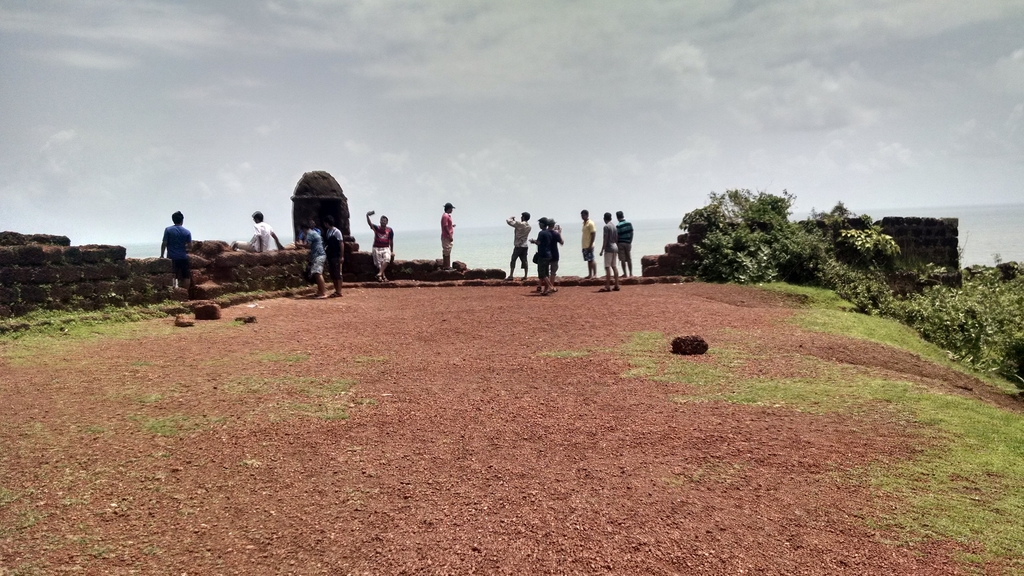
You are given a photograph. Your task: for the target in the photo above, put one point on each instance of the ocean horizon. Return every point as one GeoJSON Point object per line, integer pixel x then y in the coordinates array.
{"type": "Point", "coordinates": [985, 234]}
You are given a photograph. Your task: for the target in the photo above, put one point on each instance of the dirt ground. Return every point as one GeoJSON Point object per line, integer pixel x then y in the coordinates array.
{"type": "Point", "coordinates": [445, 431]}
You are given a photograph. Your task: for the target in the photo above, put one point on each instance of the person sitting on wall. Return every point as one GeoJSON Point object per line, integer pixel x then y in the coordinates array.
{"type": "Point", "coordinates": [260, 241]}
{"type": "Point", "coordinates": [383, 245]}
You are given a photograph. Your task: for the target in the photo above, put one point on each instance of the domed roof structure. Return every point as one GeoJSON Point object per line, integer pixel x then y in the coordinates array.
{"type": "Point", "coordinates": [317, 184]}
{"type": "Point", "coordinates": [317, 195]}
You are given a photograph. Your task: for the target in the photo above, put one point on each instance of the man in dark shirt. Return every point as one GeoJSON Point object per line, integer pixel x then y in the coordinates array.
{"type": "Point", "coordinates": [625, 230]}
{"type": "Point", "coordinates": [334, 244]}
{"type": "Point", "coordinates": [177, 240]}
{"type": "Point", "coordinates": [544, 241]}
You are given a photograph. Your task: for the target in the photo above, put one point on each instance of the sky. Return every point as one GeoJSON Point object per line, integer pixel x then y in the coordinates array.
{"type": "Point", "coordinates": [116, 113]}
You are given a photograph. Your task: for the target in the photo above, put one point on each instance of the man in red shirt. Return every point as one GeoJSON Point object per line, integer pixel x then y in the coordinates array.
{"type": "Point", "coordinates": [447, 235]}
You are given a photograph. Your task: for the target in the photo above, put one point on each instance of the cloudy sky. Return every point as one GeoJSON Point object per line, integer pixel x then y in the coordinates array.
{"type": "Point", "coordinates": [117, 113]}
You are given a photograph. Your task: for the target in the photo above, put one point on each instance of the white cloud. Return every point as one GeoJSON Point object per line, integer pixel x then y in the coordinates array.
{"type": "Point", "coordinates": [1008, 72]}
{"type": "Point", "coordinates": [267, 129]}
{"type": "Point", "coordinates": [87, 59]}
{"type": "Point", "coordinates": [1014, 120]}
{"type": "Point", "coordinates": [802, 96]}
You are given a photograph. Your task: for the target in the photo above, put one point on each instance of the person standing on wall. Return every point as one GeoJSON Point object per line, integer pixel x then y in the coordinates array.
{"type": "Point", "coordinates": [625, 230]}
{"type": "Point", "coordinates": [383, 245]}
{"type": "Point", "coordinates": [589, 236]}
{"type": "Point", "coordinates": [447, 236]}
{"type": "Point", "coordinates": [334, 245]}
{"type": "Point", "coordinates": [520, 244]}
{"type": "Point", "coordinates": [177, 240]}
{"type": "Point", "coordinates": [610, 251]}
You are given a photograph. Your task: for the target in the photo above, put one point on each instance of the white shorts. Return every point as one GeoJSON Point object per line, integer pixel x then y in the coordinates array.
{"type": "Point", "coordinates": [610, 259]}
{"type": "Point", "coordinates": [317, 265]}
{"type": "Point", "coordinates": [380, 256]}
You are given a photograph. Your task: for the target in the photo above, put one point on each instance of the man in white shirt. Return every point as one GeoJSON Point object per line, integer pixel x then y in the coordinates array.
{"type": "Point", "coordinates": [260, 241]}
{"type": "Point", "coordinates": [521, 244]}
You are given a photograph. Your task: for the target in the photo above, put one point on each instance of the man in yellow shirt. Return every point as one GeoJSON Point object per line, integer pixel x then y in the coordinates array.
{"type": "Point", "coordinates": [589, 236]}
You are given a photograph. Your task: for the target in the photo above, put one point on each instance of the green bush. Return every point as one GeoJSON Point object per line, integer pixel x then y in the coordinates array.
{"type": "Point", "coordinates": [750, 239]}
{"type": "Point", "coordinates": [979, 323]}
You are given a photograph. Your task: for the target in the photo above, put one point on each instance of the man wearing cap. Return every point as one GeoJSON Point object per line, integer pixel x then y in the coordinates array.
{"type": "Point", "coordinates": [520, 244]}
{"type": "Point", "coordinates": [447, 236]}
{"type": "Point", "coordinates": [260, 241]}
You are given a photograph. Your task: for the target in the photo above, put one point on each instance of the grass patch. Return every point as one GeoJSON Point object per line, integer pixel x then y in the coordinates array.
{"type": "Point", "coordinates": [966, 485]}
{"type": "Point", "coordinates": [7, 496]}
{"type": "Point", "coordinates": [94, 429]}
{"type": "Point", "coordinates": [283, 357]}
{"type": "Point", "coordinates": [172, 425]}
{"type": "Point", "coordinates": [149, 398]}
{"type": "Point", "coordinates": [321, 410]}
{"type": "Point", "coordinates": [318, 388]}
{"type": "Point", "coordinates": [369, 359]}
{"type": "Point", "coordinates": [809, 296]}
{"type": "Point", "coordinates": [28, 518]}
{"type": "Point", "coordinates": [566, 354]}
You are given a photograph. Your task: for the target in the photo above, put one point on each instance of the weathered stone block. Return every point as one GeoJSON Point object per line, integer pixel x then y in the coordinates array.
{"type": "Point", "coordinates": [46, 275]}
{"type": "Point", "coordinates": [30, 255]}
{"type": "Point", "coordinates": [495, 274]}
{"type": "Point", "coordinates": [34, 293]}
{"type": "Point", "coordinates": [62, 293]}
{"type": "Point", "coordinates": [96, 253]}
{"type": "Point", "coordinates": [16, 239]}
{"type": "Point", "coordinates": [685, 250]}
{"type": "Point", "coordinates": [670, 261]}
{"type": "Point", "coordinates": [209, 248]}
{"type": "Point", "coordinates": [651, 271]}
{"type": "Point", "coordinates": [206, 310]}
{"type": "Point", "coordinates": [651, 260]}
{"type": "Point", "coordinates": [8, 294]}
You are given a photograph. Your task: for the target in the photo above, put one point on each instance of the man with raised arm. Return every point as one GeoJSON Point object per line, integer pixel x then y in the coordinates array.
{"type": "Point", "coordinates": [520, 244]}
{"type": "Point", "coordinates": [383, 245]}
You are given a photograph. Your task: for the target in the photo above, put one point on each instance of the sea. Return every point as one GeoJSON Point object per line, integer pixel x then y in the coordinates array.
{"type": "Point", "coordinates": [987, 234]}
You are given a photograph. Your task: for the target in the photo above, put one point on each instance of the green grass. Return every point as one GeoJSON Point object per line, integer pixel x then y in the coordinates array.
{"type": "Point", "coordinates": [321, 410]}
{"type": "Point", "coordinates": [967, 484]}
{"type": "Point", "coordinates": [283, 357]}
{"type": "Point", "coordinates": [172, 425]}
{"type": "Point", "coordinates": [370, 359]}
{"type": "Point", "coordinates": [827, 313]}
{"type": "Point", "coordinates": [566, 354]}
{"type": "Point", "coordinates": [7, 496]}
{"type": "Point", "coordinates": [809, 296]}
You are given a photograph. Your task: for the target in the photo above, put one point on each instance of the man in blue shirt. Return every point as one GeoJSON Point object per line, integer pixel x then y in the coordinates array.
{"type": "Point", "coordinates": [625, 230]}
{"type": "Point", "coordinates": [177, 240]}
{"type": "Point", "coordinates": [317, 258]}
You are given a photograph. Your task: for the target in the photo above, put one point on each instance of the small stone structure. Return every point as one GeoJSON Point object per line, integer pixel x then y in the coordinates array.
{"type": "Point", "coordinates": [317, 195]}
